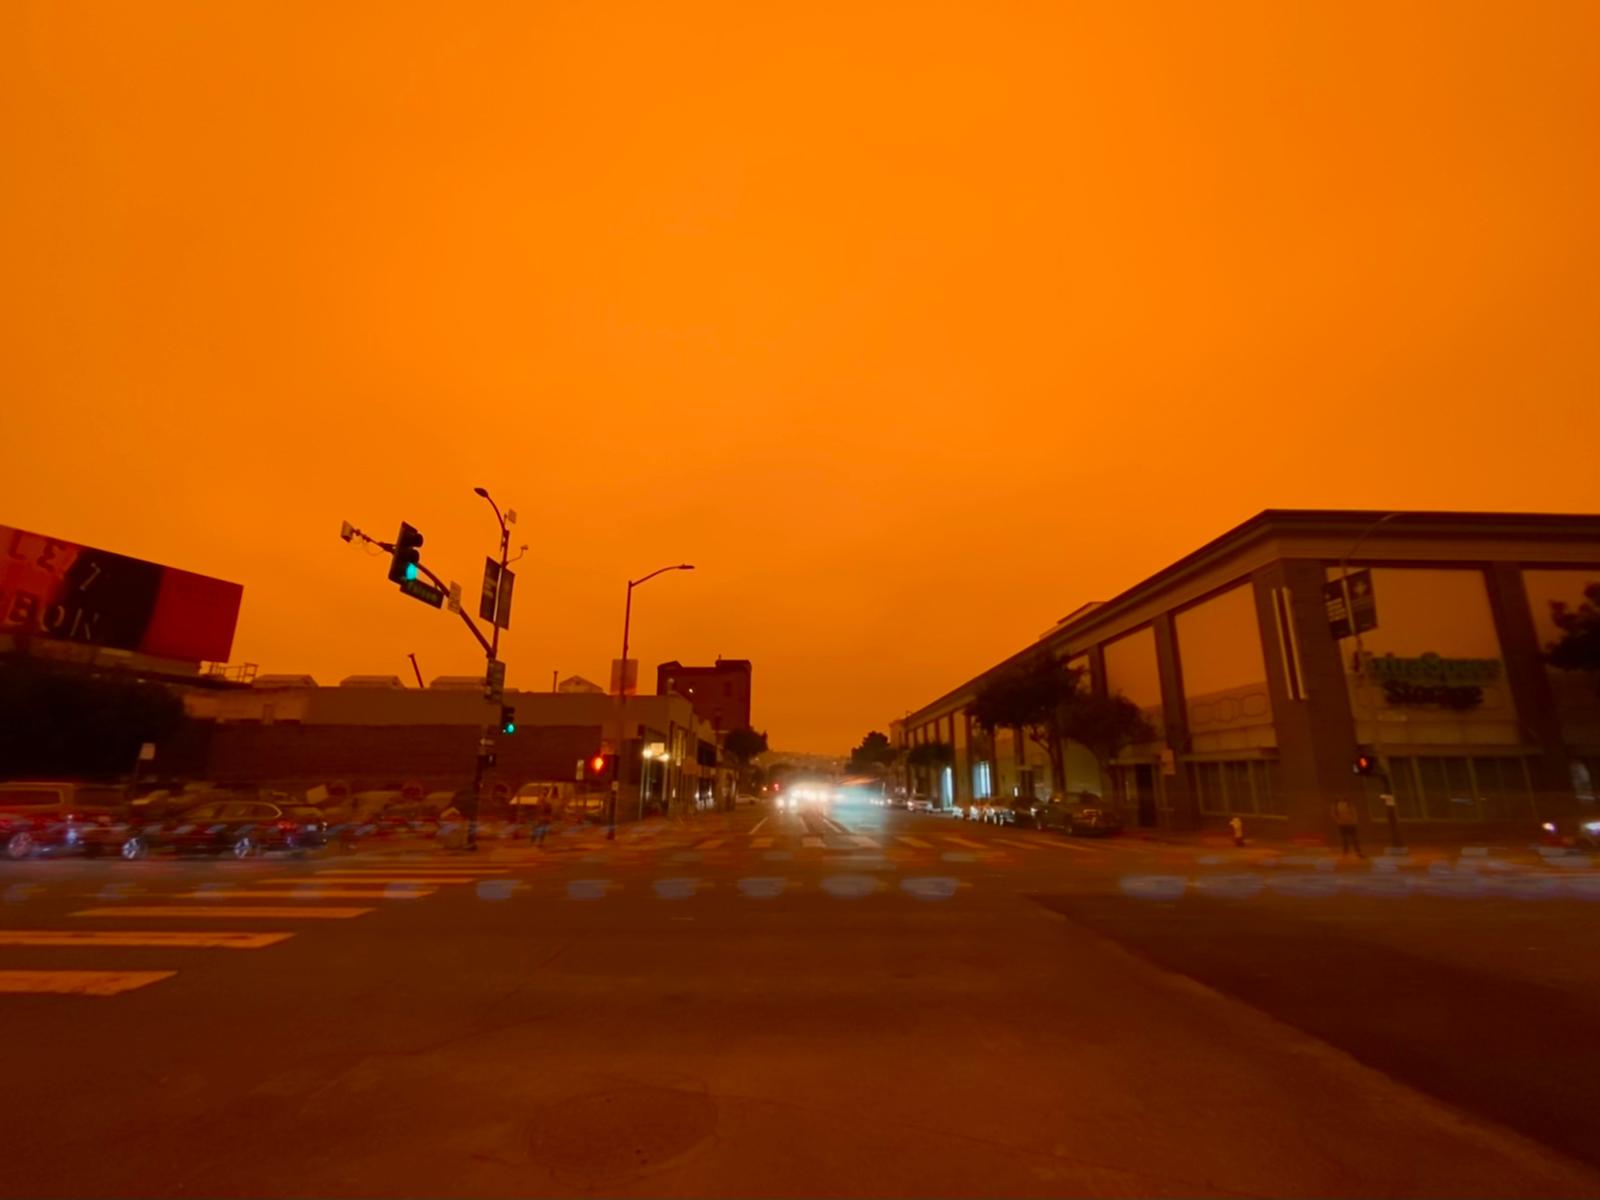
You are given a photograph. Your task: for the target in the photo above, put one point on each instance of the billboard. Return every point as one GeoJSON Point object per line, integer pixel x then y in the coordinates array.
{"type": "Point", "coordinates": [55, 589]}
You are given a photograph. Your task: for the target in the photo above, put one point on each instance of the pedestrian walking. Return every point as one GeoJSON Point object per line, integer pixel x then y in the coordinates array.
{"type": "Point", "coordinates": [1344, 816]}
{"type": "Point", "coordinates": [1237, 825]}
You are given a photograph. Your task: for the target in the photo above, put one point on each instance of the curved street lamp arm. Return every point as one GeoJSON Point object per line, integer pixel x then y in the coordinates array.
{"type": "Point", "coordinates": [633, 583]}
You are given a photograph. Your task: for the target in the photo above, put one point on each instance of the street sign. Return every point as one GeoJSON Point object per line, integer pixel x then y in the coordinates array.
{"type": "Point", "coordinates": [491, 589]}
{"type": "Point", "coordinates": [1338, 613]}
{"type": "Point", "coordinates": [625, 680]}
{"type": "Point", "coordinates": [147, 751]}
{"type": "Point", "coordinates": [495, 681]}
{"type": "Point", "coordinates": [425, 592]}
{"type": "Point", "coordinates": [1363, 601]}
{"type": "Point", "coordinates": [502, 614]}
{"type": "Point", "coordinates": [453, 600]}
{"type": "Point", "coordinates": [578, 775]}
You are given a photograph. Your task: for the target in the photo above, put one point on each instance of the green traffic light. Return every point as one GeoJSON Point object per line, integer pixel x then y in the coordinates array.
{"type": "Point", "coordinates": [411, 572]}
{"type": "Point", "coordinates": [510, 728]}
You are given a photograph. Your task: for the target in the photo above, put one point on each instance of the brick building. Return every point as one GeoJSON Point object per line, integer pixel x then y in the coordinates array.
{"type": "Point", "coordinates": [720, 693]}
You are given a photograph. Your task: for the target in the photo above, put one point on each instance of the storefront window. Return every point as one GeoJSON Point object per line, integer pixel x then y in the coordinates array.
{"type": "Point", "coordinates": [1247, 787]}
{"type": "Point", "coordinates": [1448, 788]}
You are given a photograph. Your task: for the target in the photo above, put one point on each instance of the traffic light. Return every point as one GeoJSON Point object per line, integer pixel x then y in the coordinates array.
{"type": "Point", "coordinates": [597, 765]}
{"type": "Point", "coordinates": [1365, 764]}
{"type": "Point", "coordinates": [508, 719]}
{"type": "Point", "coordinates": [407, 553]}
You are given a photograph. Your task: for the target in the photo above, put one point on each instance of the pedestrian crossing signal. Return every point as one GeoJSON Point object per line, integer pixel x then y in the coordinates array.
{"type": "Point", "coordinates": [597, 764]}
{"type": "Point", "coordinates": [1365, 764]}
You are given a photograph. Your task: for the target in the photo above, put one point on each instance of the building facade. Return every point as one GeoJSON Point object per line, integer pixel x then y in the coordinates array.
{"type": "Point", "coordinates": [720, 693]}
{"type": "Point", "coordinates": [289, 734]}
{"type": "Point", "coordinates": [1245, 659]}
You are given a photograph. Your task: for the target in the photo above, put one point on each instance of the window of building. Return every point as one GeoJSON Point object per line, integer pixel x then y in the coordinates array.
{"type": "Point", "coordinates": [1456, 788]}
{"type": "Point", "coordinates": [1246, 787]}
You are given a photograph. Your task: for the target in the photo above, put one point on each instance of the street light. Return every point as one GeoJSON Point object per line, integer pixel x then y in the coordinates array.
{"type": "Point", "coordinates": [622, 694]}
{"type": "Point", "coordinates": [1389, 800]}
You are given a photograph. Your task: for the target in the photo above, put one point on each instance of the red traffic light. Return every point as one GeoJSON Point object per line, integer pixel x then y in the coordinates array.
{"type": "Point", "coordinates": [597, 763]}
{"type": "Point", "coordinates": [1365, 764]}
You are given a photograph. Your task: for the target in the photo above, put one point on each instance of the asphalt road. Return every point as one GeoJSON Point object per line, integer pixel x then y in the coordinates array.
{"type": "Point", "coordinates": [866, 1002]}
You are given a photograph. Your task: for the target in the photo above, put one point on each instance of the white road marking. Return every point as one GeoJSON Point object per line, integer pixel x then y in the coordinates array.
{"type": "Point", "coordinates": [760, 843]}
{"type": "Point", "coordinates": [1021, 845]}
{"type": "Point", "coordinates": [710, 844]}
{"type": "Point", "coordinates": [961, 841]}
{"type": "Point", "coordinates": [232, 912]}
{"type": "Point", "coordinates": [758, 824]}
{"type": "Point", "coordinates": [811, 842]}
{"type": "Point", "coordinates": [916, 842]}
{"type": "Point", "coordinates": [207, 940]}
{"type": "Point", "coordinates": [865, 843]}
{"type": "Point", "coordinates": [374, 880]}
{"type": "Point", "coordinates": [79, 983]}
{"type": "Point", "coordinates": [394, 893]}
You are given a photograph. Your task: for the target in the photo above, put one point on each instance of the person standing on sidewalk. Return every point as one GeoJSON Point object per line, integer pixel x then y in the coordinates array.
{"type": "Point", "coordinates": [1344, 816]}
{"type": "Point", "coordinates": [1237, 825]}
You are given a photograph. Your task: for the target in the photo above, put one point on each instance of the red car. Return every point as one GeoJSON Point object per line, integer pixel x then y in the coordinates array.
{"type": "Point", "coordinates": [55, 818]}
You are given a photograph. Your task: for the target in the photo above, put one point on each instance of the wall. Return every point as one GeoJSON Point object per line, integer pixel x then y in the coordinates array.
{"type": "Point", "coordinates": [1225, 674]}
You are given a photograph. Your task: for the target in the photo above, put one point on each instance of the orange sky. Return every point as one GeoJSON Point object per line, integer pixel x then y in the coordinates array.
{"type": "Point", "coordinates": [913, 326]}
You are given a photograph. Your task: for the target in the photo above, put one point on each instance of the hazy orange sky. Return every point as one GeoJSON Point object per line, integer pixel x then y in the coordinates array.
{"type": "Point", "coordinates": [913, 326]}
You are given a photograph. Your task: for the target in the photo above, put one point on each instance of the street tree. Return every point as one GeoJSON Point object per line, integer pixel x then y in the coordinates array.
{"type": "Point", "coordinates": [1106, 725]}
{"type": "Point", "coordinates": [1578, 648]}
{"type": "Point", "coordinates": [875, 754]}
{"type": "Point", "coordinates": [929, 758]}
{"type": "Point", "coordinates": [1032, 696]}
{"type": "Point", "coordinates": [743, 745]}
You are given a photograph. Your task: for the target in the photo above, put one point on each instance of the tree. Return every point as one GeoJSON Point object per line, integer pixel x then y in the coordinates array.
{"type": "Point", "coordinates": [1578, 648]}
{"type": "Point", "coordinates": [1106, 725]}
{"type": "Point", "coordinates": [931, 757]}
{"type": "Point", "coordinates": [873, 755]}
{"type": "Point", "coordinates": [743, 745]}
{"type": "Point", "coordinates": [1032, 696]}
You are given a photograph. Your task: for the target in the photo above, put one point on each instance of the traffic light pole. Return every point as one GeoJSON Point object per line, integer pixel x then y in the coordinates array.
{"type": "Point", "coordinates": [1389, 799]}
{"type": "Point", "coordinates": [490, 649]}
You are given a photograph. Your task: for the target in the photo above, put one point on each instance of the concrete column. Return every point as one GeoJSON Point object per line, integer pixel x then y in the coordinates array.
{"type": "Point", "coordinates": [1316, 727]}
{"type": "Point", "coordinates": [1530, 686]}
{"type": "Point", "coordinates": [1183, 810]}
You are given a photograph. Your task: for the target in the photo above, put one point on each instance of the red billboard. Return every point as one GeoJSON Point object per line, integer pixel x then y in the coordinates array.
{"type": "Point", "coordinates": [55, 589]}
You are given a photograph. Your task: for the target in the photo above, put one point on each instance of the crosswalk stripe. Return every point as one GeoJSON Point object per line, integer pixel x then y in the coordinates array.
{"type": "Point", "coordinates": [373, 880]}
{"type": "Point", "coordinates": [916, 842]}
{"type": "Point", "coordinates": [712, 844]}
{"type": "Point", "coordinates": [199, 940]}
{"type": "Point", "coordinates": [408, 872]}
{"type": "Point", "coordinates": [811, 842]}
{"type": "Point", "coordinates": [230, 912]}
{"type": "Point", "coordinates": [395, 893]}
{"type": "Point", "coordinates": [865, 843]}
{"type": "Point", "coordinates": [760, 843]}
{"type": "Point", "coordinates": [79, 983]}
{"type": "Point", "coordinates": [1020, 845]}
{"type": "Point", "coordinates": [961, 841]}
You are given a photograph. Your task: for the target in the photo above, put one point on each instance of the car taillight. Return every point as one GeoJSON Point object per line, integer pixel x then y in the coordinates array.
{"type": "Point", "coordinates": [286, 826]}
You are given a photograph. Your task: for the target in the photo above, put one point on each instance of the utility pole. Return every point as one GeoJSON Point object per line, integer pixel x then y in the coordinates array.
{"type": "Point", "coordinates": [622, 698]}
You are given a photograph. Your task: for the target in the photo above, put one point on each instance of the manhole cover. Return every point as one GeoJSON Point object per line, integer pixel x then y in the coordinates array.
{"type": "Point", "coordinates": [613, 1134]}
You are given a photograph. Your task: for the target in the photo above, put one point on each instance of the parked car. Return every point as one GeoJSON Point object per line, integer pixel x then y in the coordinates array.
{"type": "Point", "coordinates": [1083, 817]}
{"type": "Point", "coordinates": [55, 818]}
{"type": "Point", "coordinates": [919, 804]}
{"type": "Point", "coordinates": [1006, 811]}
{"type": "Point", "coordinates": [243, 828]}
